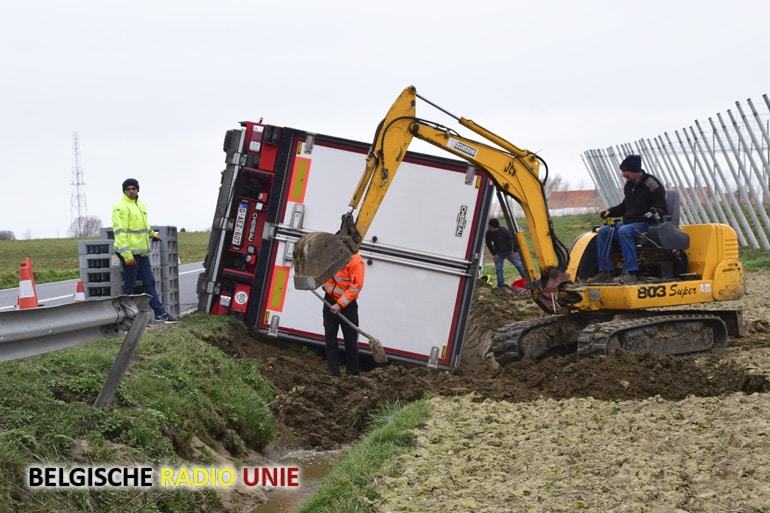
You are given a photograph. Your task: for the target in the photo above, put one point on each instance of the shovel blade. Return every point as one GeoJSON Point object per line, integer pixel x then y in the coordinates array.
{"type": "Point", "coordinates": [378, 352]}
{"type": "Point", "coordinates": [317, 257]}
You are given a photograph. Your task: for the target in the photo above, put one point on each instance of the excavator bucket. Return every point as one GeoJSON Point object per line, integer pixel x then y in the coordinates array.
{"type": "Point", "coordinates": [317, 257]}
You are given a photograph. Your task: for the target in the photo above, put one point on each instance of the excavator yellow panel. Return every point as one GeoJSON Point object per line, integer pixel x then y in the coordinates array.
{"type": "Point", "coordinates": [646, 295]}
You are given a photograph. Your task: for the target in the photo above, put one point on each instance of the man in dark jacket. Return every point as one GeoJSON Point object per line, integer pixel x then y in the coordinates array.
{"type": "Point", "coordinates": [643, 193]}
{"type": "Point", "coordinates": [501, 244]}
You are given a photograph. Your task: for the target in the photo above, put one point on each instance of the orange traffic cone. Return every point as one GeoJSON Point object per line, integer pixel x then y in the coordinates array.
{"type": "Point", "coordinates": [80, 294]}
{"type": "Point", "coordinates": [27, 291]}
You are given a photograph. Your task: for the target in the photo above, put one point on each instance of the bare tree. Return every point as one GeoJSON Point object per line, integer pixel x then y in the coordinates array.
{"type": "Point", "coordinates": [555, 184]}
{"type": "Point", "coordinates": [87, 226]}
{"type": "Point", "coordinates": [7, 235]}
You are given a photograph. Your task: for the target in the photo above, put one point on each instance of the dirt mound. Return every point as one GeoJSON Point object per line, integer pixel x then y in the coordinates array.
{"type": "Point", "coordinates": [314, 410]}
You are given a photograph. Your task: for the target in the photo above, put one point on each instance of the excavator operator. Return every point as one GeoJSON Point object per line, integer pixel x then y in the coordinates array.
{"type": "Point", "coordinates": [643, 195]}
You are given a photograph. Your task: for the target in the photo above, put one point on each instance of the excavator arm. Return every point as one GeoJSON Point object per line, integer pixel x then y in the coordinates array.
{"type": "Point", "coordinates": [515, 173]}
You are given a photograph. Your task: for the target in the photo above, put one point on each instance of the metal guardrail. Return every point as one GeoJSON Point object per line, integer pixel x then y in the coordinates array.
{"type": "Point", "coordinates": [41, 330]}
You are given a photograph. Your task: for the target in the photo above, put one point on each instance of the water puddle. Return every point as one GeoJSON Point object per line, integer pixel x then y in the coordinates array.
{"type": "Point", "coordinates": [313, 466]}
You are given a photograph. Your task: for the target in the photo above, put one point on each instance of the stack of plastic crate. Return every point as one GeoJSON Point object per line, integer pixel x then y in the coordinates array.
{"type": "Point", "coordinates": [100, 269]}
{"type": "Point", "coordinates": [167, 279]}
{"type": "Point", "coordinates": [102, 273]}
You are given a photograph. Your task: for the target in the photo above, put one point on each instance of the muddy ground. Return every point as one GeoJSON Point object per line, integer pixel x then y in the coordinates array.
{"type": "Point", "coordinates": [624, 391]}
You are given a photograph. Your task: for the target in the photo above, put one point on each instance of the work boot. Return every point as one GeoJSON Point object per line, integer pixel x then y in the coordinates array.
{"type": "Point", "coordinates": [602, 277]}
{"type": "Point", "coordinates": [626, 279]}
{"type": "Point", "coordinates": [166, 318]}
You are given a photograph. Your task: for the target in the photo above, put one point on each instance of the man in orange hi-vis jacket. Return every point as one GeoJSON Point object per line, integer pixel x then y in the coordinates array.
{"type": "Point", "coordinates": [341, 292]}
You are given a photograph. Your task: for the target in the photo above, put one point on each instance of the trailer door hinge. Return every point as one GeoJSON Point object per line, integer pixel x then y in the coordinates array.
{"type": "Point", "coordinates": [297, 216]}
{"type": "Point", "coordinates": [470, 172]}
{"type": "Point", "coordinates": [288, 253]}
{"type": "Point", "coordinates": [308, 146]}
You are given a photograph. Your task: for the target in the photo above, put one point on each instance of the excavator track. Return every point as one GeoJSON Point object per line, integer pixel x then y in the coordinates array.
{"type": "Point", "coordinates": [681, 335]}
{"type": "Point", "coordinates": [527, 338]}
{"type": "Point", "coordinates": [684, 334]}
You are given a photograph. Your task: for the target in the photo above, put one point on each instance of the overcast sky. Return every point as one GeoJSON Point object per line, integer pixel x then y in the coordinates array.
{"type": "Point", "coordinates": [152, 86]}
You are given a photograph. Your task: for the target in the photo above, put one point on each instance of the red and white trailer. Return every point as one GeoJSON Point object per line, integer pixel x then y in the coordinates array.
{"type": "Point", "coordinates": [423, 250]}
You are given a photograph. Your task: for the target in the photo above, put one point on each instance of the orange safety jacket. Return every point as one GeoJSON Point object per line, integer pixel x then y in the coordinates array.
{"type": "Point", "coordinates": [345, 286]}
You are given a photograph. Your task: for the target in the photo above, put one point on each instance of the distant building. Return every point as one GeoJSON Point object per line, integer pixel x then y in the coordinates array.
{"type": "Point", "coordinates": [563, 203]}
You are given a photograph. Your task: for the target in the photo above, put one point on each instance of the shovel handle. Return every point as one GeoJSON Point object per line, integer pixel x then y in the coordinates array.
{"type": "Point", "coordinates": [345, 319]}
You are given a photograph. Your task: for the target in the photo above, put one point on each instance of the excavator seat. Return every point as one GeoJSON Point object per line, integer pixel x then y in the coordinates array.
{"type": "Point", "coordinates": [672, 207]}
{"type": "Point", "coordinates": [660, 250]}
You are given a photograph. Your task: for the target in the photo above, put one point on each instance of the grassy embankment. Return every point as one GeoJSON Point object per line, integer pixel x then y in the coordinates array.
{"type": "Point", "coordinates": [178, 389]}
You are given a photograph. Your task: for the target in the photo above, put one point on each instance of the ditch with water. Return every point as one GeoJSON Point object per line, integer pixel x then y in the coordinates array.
{"type": "Point", "coordinates": [313, 467]}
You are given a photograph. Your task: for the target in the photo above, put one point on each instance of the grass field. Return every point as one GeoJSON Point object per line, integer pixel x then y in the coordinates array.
{"type": "Point", "coordinates": [58, 259]}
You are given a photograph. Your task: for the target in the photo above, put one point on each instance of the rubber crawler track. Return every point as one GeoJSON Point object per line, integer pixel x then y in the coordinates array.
{"type": "Point", "coordinates": [690, 334]}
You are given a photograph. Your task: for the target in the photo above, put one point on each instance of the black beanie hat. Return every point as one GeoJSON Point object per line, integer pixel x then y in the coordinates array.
{"type": "Point", "coordinates": [130, 182]}
{"type": "Point", "coordinates": [494, 223]}
{"type": "Point", "coordinates": [632, 163]}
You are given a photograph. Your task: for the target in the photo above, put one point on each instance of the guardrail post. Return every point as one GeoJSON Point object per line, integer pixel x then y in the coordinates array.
{"type": "Point", "coordinates": [120, 365]}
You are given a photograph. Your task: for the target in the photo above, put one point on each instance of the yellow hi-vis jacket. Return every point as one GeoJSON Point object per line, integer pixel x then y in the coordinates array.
{"type": "Point", "coordinates": [131, 229]}
{"type": "Point", "coordinates": [345, 286]}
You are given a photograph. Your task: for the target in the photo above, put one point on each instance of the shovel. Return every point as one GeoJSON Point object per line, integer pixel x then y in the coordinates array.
{"type": "Point", "coordinates": [378, 353]}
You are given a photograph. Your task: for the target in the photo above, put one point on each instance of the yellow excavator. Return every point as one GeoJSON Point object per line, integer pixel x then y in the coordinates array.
{"type": "Point", "coordinates": [679, 266]}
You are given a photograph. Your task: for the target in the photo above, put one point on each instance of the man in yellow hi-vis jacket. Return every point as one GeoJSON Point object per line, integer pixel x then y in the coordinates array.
{"type": "Point", "coordinates": [132, 244]}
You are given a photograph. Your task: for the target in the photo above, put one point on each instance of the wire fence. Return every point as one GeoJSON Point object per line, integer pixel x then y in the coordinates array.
{"type": "Point", "coordinates": [721, 169]}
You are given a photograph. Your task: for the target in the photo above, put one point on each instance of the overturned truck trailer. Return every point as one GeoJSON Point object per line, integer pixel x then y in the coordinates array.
{"type": "Point", "coordinates": [422, 252]}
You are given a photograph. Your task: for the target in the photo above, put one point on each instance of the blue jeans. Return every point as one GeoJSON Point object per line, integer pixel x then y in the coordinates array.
{"type": "Point", "coordinates": [142, 271]}
{"type": "Point", "coordinates": [513, 258]}
{"type": "Point", "coordinates": [626, 234]}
